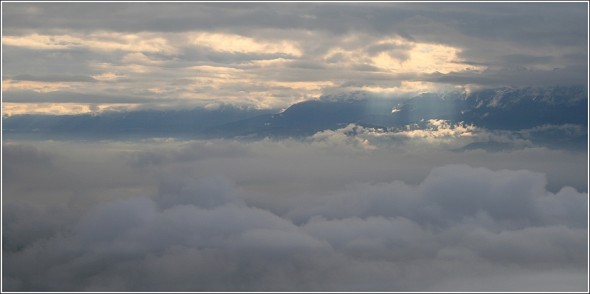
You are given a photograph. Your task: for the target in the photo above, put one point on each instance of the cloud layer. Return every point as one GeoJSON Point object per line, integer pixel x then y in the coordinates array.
{"type": "Point", "coordinates": [352, 209]}
{"type": "Point", "coordinates": [271, 55]}
{"type": "Point", "coordinates": [287, 215]}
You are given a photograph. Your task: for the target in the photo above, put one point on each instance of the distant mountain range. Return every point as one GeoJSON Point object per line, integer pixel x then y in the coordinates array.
{"type": "Point", "coordinates": [494, 109]}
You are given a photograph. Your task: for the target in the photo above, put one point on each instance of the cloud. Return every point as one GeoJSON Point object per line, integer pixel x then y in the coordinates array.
{"type": "Point", "coordinates": [512, 76]}
{"type": "Point", "coordinates": [249, 248]}
{"type": "Point", "coordinates": [170, 215]}
{"type": "Point", "coordinates": [454, 194]}
{"type": "Point", "coordinates": [433, 133]}
{"type": "Point", "coordinates": [59, 96]}
{"type": "Point", "coordinates": [9, 109]}
{"type": "Point", "coordinates": [236, 43]}
{"type": "Point", "coordinates": [390, 48]}
{"type": "Point", "coordinates": [100, 41]}
{"type": "Point", "coordinates": [52, 78]}
{"type": "Point", "coordinates": [353, 209]}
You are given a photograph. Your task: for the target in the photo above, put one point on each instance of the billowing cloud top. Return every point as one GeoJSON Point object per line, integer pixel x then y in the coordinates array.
{"type": "Point", "coordinates": [325, 215]}
{"type": "Point", "coordinates": [76, 57]}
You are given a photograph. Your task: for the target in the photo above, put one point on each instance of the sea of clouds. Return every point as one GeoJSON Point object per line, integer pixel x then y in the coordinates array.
{"type": "Point", "coordinates": [335, 211]}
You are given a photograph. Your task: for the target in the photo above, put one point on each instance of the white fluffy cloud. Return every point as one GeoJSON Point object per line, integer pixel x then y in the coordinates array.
{"type": "Point", "coordinates": [436, 133]}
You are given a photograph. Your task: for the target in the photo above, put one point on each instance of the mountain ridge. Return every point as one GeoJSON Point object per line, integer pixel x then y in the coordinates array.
{"type": "Point", "coordinates": [501, 108]}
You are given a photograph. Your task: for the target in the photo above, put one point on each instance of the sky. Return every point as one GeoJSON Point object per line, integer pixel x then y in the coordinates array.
{"type": "Point", "coordinates": [475, 188]}
{"type": "Point", "coordinates": [87, 57]}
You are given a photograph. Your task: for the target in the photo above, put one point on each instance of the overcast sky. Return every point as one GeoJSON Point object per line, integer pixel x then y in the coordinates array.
{"type": "Point", "coordinates": [75, 57]}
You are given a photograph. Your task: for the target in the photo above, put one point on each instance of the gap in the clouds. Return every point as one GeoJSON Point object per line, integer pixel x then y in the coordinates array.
{"type": "Point", "coordinates": [555, 117]}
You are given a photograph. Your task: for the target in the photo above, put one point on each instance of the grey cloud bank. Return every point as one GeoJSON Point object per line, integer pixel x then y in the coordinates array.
{"type": "Point", "coordinates": [290, 215]}
{"type": "Point", "coordinates": [271, 55]}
